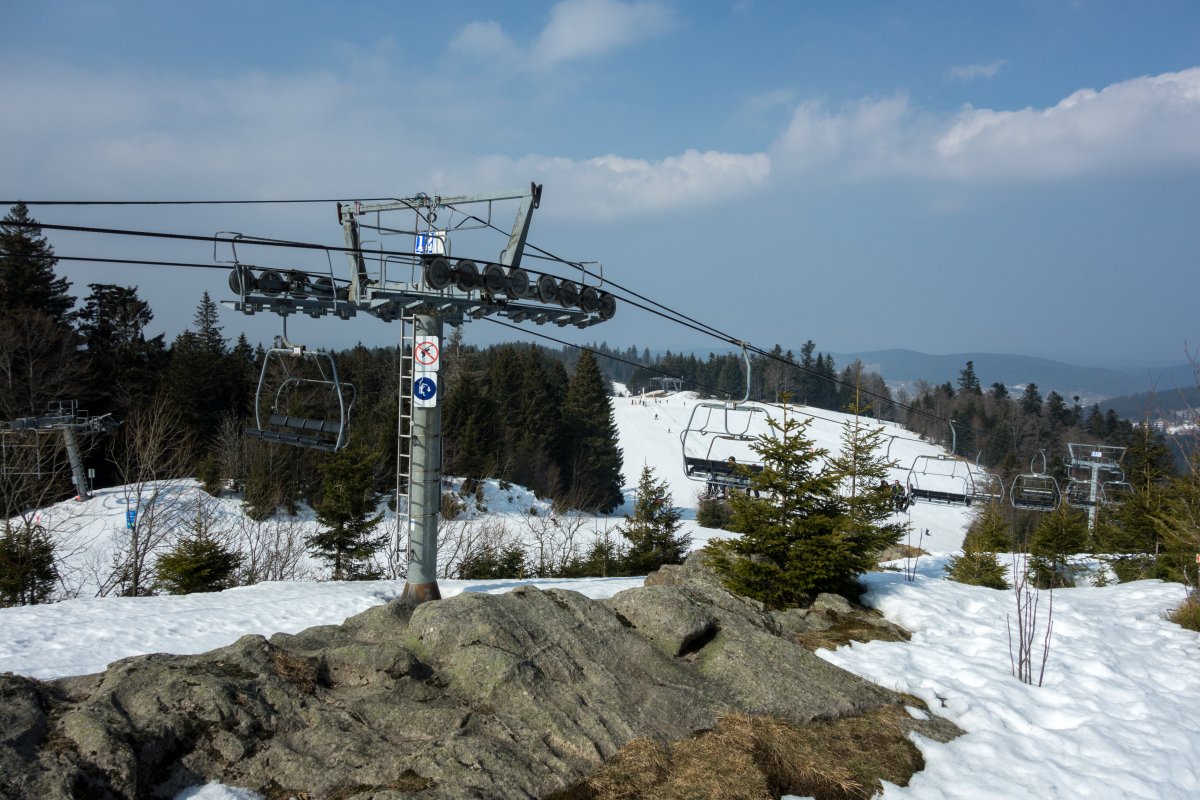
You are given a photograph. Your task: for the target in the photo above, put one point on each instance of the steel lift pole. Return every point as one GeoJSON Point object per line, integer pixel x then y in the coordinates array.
{"type": "Point", "coordinates": [425, 490]}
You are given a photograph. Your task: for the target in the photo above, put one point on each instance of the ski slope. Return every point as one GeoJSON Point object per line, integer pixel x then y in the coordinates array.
{"type": "Point", "coordinates": [1116, 717]}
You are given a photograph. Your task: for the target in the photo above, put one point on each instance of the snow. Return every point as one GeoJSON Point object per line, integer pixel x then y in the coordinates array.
{"type": "Point", "coordinates": [1118, 714]}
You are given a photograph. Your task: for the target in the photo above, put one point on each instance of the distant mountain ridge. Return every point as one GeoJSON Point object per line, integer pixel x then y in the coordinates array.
{"type": "Point", "coordinates": [1091, 384]}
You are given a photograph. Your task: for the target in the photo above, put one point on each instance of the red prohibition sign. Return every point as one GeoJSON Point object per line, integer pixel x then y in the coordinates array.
{"type": "Point", "coordinates": [427, 353]}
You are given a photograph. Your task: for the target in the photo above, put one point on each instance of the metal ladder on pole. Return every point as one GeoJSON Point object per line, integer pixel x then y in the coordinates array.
{"type": "Point", "coordinates": [404, 422]}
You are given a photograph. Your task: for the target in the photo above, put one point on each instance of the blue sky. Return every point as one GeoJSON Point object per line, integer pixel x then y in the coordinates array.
{"type": "Point", "coordinates": [942, 176]}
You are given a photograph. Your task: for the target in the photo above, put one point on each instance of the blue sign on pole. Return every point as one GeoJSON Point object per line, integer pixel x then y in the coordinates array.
{"type": "Point", "coordinates": [425, 391]}
{"type": "Point", "coordinates": [131, 518]}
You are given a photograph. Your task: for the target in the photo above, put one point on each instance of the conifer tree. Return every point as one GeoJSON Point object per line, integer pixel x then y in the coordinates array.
{"type": "Point", "coordinates": [28, 569]}
{"type": "Point", "coordinates": [27, 279]}
{"type": "Point", "coordinates": [968, 383]}
{"type": "Point", "coordinates": [38, 361]}
{"type": "Point", "coordinates": [863, 469]}
{"type": "Point", "coordinates": [1057, 535]}
{"type": "Point", "coordinates": [653, 529]}
{"type": "Point", "coordinates": [979, 563]}
{"type": "Point", "coordinates": [124, 365]}
{"type": "Point", "coordinates": [794, 541]}
{"type": "Point", "coordinates": [199, 378]}
{"type": "Point", "coordinates": [347, 512]}
{"type": "Point", "coordinates": [591, 435]}
{"type": "Point", "coordinates": [197, 563]}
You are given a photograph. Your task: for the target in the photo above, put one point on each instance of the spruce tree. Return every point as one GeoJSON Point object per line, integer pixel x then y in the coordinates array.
{"type": "Point", "coordinates": [27, 279]}
{"type": "Point", "coordinates": [863, 470]}
{"type": "Point", "coordinates": [591, 435]}
{"type": "Point", "coordinates": [794, 540]}
{"type": "Point", "coordinates": [653, 529]}
{"type": "Point", "coordinates": [28, 569]}
{"type": "Point", "coordinates": [346, 510]}
{"type": "Point", "coordinates": [199, 377]}
{"type": "Point", "coordinates": [197, 564]}
{"type": "Point", "coordinates": [979, 563]}
{"type": "Point", "coordinates": [968, 383]}
{"type": "Point", "coordinates": [124, 365]}
{"type": "Point", "coordinates": [1057, 535]}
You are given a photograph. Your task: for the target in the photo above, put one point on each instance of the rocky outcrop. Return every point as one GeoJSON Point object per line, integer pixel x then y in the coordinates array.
{"type": "Point", "coordinates": [513, 695]}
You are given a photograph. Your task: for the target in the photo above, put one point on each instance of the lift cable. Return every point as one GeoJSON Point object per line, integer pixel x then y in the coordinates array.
{"type": "Point", "coordinates": [188, 202]}
{"type": "Point", "coordinates": [670, 314]}
{"type": "Point", "coordinates": [711, 389]}
{"type": "Point", "coordinates": [680, 318]}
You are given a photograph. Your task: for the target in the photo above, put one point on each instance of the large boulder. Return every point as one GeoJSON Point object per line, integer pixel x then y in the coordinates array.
{"type": "Point", "coordinates": [516, 695]}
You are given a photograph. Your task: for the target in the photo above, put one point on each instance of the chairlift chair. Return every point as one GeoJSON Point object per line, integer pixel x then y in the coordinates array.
{"type": "Point", "coordinates": [1035, 491]}
{"type": "Point", "coordinates": [301, 401]}
{"type": "Point", "coordinates": [1115, 492]}
{"type": "Point", "coordinates": [941, 478]}
{"type": "Point", "coordinates": [710, 441]}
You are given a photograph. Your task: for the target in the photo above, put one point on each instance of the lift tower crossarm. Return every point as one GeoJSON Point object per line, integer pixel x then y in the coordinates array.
{"type": "Point", "coordinates": [530, 200]}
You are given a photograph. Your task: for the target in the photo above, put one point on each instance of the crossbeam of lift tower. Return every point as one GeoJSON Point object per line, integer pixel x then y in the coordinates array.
{"type": "Point", "coordinates": [425, 287]}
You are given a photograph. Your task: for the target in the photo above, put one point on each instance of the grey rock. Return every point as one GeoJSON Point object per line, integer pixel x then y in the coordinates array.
{"type": "Point", "coordinates": [514, 695]}
{"type": "Point", "coordinates": [833, 604]}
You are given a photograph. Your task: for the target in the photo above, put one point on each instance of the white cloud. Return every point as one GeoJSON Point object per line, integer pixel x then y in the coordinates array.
{"type": "Point", "coordinates": [970, 72]}
{"type": "Point", "coordinates": [576, 30]}
{"type": "Point", "coordinates": [484, 39]}
{"type": "Point", "coordinates": [615, 186]}
{"type": "Point", "coordinates": [1141, 124]}
{"type": "Point", "coordinates": [589, 28]}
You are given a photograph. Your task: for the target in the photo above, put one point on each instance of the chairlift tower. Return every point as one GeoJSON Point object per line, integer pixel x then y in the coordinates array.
{"type": "Point", "coordinates": [1094, 468]}
{"type": "Point", "coordinates": [63, 417]}
{"type": "Point", "coordinates": [425, 287]}
{"type": "Point", "coordinates": [667, 383]}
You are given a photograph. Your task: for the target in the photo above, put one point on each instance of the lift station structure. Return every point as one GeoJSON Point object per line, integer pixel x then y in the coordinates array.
{"type": "Point", "coordinates": [424, 287]}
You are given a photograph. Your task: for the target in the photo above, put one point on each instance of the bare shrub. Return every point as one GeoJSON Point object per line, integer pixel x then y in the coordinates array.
{"type": "Point", "coordinates": [273, 550]}
{"type": "Point", "coordinates": [153, 449]}
{"type": "Point", "coordinates": [1028, 597]}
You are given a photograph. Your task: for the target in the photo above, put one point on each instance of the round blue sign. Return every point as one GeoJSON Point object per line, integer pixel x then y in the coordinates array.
{"type": "Point", "coordinates": [424, 388]}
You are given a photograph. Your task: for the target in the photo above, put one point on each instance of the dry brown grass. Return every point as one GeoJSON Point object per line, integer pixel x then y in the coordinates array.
{"type": "Point", "coordinates": [849, 629]}
{"type": "Point", "coordinates": [760, 758]}
{"type": "Point", "coordinates": [301, 672]}
{"type": "Point", "coordinates": [1187, 614]}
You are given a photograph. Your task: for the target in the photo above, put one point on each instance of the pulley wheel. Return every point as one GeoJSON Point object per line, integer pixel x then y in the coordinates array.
{"type": "Point", "coordinates": [547, 289]}
{"type": "Point", "coordinates": [438, 274]}
{"type": "Point", "coordinates": [518, 283]}
{"type": "Point", "coordinates": [606, 306]}
{"type": "Point", "coordinates": [494, 279]}
{"type": "Point", "coordinates": [270, 282]}
{"type": "Point", "coordinates": [241, 280]}
{"type": "Point", "coordinates": [589, 298]}
{"type": "Point", "coordinates": [568, 293]}
{"type": "Point", "coordinates": [466, 275]}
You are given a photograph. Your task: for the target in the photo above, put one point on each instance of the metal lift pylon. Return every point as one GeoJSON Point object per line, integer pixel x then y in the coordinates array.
{"type": "Point", "coordinates": [423, 285]}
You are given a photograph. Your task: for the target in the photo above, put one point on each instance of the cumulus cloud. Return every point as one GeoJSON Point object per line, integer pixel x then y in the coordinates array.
{"type": "Point", "coordinates": [485, 39]}
{"type": "Point", "coordinates": [576, 30]}
{"type": "Point", "coordinates": [1139, 124]}
{"type": "Point", "coordinates": [588, 28]}
{"type": "Point", "coordinates": [970, 72]}
{"type": "Point", "coordinates": [614, 186]}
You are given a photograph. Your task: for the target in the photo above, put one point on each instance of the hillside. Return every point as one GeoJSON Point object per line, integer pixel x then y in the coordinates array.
{"type": "Point", "coordinates": [1092, 384]}
{"type": "Point", "coordinates": [1115, 669]}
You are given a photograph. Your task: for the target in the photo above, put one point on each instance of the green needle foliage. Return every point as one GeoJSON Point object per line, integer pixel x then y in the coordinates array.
{"type": "Point", "coordinates": [653, 530]}
{"type": "Point", "coordinates": [347, 512]}
{"type": "Point", "coordinates": [198, 564]}
{"type": "Point", "coordinates": [28, 573]}
{"type": "Point", "coordinates": [979, 564]}
{"type": "Point", "coordinates": [798, 537]}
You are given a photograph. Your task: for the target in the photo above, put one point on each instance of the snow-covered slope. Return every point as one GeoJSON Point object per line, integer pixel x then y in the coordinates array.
{"type": "Point", "coordinates": [1115, 718]}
